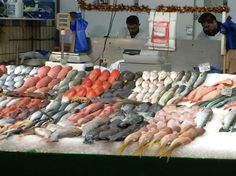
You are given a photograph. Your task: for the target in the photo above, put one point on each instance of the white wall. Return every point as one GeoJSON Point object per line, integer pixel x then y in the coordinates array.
{"type": "Point", "coordinates": [232, 5]}
{"type": "Point", "coordinates": [99, 21]}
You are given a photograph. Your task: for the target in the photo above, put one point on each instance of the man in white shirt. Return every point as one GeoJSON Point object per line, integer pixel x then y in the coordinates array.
{"type": "Point", "coordinates": [132, 30]}
{"type": "Point", "coordinates": [211, 27]}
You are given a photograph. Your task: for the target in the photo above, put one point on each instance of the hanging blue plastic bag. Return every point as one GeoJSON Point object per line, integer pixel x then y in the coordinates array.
{"type": "Point", "coordinates": [79, 26]}
{"type": "Point", "coordinates": [229, 29]}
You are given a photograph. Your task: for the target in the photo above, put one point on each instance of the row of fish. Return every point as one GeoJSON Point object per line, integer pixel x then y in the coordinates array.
{"type": "Point", "coordinates": [155, 89]}
{"type": "Point", "coordinates": [206, 93]}
{"type": "Point", "coordinates": [168, 132]}
{"type": "Point", "coordinates": [14, 76]}
{"type": "Point", "coordinates": [47, 77]}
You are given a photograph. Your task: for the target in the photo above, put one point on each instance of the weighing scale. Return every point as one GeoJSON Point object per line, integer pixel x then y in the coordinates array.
{"type": "Point", "coordinates": [63, 24]}
{"type": "Point", "coordinates": [143, 60]}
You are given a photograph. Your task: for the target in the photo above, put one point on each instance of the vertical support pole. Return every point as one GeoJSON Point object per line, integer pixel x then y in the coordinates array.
{"type": "Point", "coordinates": [223, 46]}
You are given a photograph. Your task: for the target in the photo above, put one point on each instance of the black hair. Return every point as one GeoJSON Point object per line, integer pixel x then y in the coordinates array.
{"type": "Point", "coordinates": [132, 19]}
{"type": "Point", "coordinates": [73, 15]}
{"type": "Point", "coordinates": [206, 17]}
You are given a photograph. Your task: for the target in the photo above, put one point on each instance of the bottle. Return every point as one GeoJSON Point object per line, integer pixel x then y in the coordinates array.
{"type": "Point", "coordinates": [15, 8]}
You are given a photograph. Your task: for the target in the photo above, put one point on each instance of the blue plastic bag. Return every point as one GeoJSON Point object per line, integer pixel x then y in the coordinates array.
{"type": "Point", "coordinates": [229, 28]}
{"type": "Point", "coordinates": [212, 69]}
{"type": "Point", "coordinates": [79, 26]}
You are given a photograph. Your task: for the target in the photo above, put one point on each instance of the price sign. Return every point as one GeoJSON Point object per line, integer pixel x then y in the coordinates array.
{"type": "Point", "coordinates": [226, 91]}
{"type": "Point", "coordinates": [204, 67]}
{"type": "Point", "coordinates": [63, 21]}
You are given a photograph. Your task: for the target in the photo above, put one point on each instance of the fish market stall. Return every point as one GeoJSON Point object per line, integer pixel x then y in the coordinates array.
{"type": "Point", "coordinates": [211, 148]}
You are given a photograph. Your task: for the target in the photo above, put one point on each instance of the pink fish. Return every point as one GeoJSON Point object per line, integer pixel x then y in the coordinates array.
{"type": "Point", "coordinates": [62, 74]}
{"type": "Point", "coordinates": [54, 71]}
{"type": "Point", "coordinates": [43, 71]}
{"type": "Point", "coordinates": [43, 82]}
{"type": "Point", "coordinates": [30, 82]}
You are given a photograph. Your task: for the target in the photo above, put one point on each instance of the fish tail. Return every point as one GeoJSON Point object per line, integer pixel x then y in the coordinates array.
{"type": "Point", "coordinates": [223, 130]}
{"type": "Point", "coordinates": [122, 148]}
{"type": "Point", "coordinates": [139, 150]}
{"type": "Point", "coordinates": [168, 155]}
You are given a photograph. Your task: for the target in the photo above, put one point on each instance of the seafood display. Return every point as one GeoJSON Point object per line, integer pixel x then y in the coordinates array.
{"type": "Point", "coordinates": [170, 128]}
{"type": "Point", "coordinates": [166, 88]}
{"type": "Point", "coordinates": [144, 111]}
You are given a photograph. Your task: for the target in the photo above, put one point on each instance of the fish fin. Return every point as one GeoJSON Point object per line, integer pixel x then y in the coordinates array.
{"type": "Point", "coordinates": [162, 151]}
{"type": "Point", "coordinates": [139, 151]}
{"type": "Point", "coordinates": [2, 137]}
{"type": "Point", "coordinates": [122, 148]}
{"type": "Point", "coordinates": [233, 130]}
{"type": "Point", "coordinates": [150, 144]}
{"type": "Point", "coordinates": [223, 130]}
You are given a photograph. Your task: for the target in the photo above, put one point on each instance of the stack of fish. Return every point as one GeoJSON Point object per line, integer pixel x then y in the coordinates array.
{"type": "Point", "coordinates": [122, 87]}
{"type": "Point", "coordinates": [94, 84]}
{"type": "Point", "coordinates": [207, 93]}
{"type": "Point", "coordinates": [220, 101]}
{"type": "Point", "coordinates": [128, 119]}
{"type": "Point", "coordinates": [15, 76]}
{"type": "Point", "coordinates": [166, 88]}
{"type": "Point", "coordinates": [45, 80]}
{"type": "Point", "coordinates": [73, 78]}
{"type": "Point", "coordinates": [169, 130]}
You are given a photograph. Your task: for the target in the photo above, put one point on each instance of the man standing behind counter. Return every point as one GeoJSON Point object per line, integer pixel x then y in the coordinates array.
{"type": "Point", "coordinates": [132, 30]}
{"type": "Point", "coordinates": [211, 27]}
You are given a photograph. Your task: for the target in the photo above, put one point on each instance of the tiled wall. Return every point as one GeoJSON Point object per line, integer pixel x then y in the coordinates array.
{"type": "Point", "coordinates": [24, 36]}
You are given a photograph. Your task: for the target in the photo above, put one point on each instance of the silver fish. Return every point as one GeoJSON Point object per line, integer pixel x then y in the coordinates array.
{"type": "Point", "coordinates": [4, 77]}
{"type": "Point", "coordinates": [139, 82]}
{"type": "Point", "coordinates": [4, 121]}
{"type": "Point", "coordinates": [128, 108]}
{"type": "Point", "coordinates": [75, 82]}
{"type": "Point", "coordinates": [193, 78]}
{"type": "Point", "coordinates": [43, 132]}
{"type": "Point", "coordinates": [53, 105]}
{"type": "Point", "coordinates": [201, 78]}
{"type": "Point", "coordinates": [96, 122]}
{"type": "Point", "coordinates": [203, 116]}
{"type": "Point", "coordinates": [34, 71]}
{"type": "Point", "coordinates": [18, 78]}
{"type": "Point", "coordinates": [179, 77]}
{"type": "Point", "coordinates": [65, 132]}
{"type": "Point", "coordinates": [71, 106]}
{"type": "Point", "coordinates": [10, 78]}
{"type": "Point", "coordinates": [26, 70]}
{"type": "Point", "coordinates": [176, 99]}
{"type": "Point", "coordinates": [11, 69]}
{"type": "Point", "coordinates": [18, 84]}
{"type": "Point", "coordinates": [5, 102]}
{"type": "Point", "coordinates": [66, 123]}
{"type": "Point", "coordinates": [153, 75]}
{"type": "Point", "coordinates": [71, 75]}
{"type": "Point", "coordinates": [229, 120]}
{"type": "Point", "coordinates": [13, 101]}
{"type": "Point", "coordinates": [186, 77]}
{"type": "Point", "coordinates": [58, 116]}
{"type": "Point", "coordinates": [65, 116]}
{"type": "Point", "coordinates": [167, 95]}
{"type": "Point", "coordinates": [35, 116]}
{"type": "Point", "coordinates": [18, 69]}
{"type": "Point", "coordinates": [62, 83]}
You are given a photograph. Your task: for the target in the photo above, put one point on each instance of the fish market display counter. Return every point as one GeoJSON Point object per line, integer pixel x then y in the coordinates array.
{"type": "Point", "coordinates": [214, 152]}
